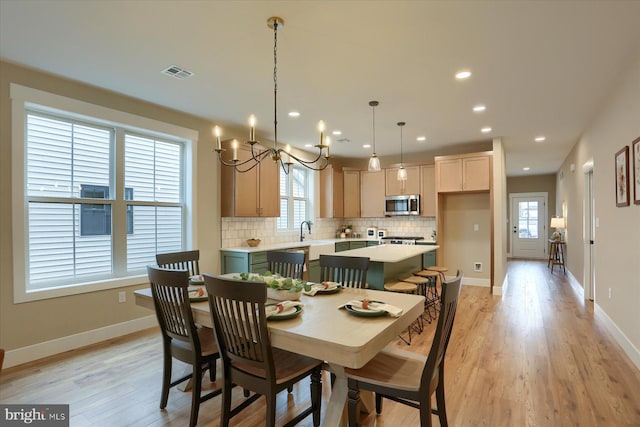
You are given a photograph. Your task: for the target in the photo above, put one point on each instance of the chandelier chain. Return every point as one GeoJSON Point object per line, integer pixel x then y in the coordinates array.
{"type": "Point", "coordinates": [275, 85]}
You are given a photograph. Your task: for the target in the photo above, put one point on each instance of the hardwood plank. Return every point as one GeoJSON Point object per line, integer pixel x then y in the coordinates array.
{"type": "Point", "coordinates": [536, 356]}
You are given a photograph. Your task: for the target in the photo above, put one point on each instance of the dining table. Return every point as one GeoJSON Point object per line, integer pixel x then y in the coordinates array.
{"type": "Point", "coordinates": [322, 330]}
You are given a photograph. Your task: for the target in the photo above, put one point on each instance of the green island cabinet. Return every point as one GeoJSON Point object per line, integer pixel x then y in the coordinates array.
{"type": "Point", "coordinates": [240, 262]}
{"type": "Point", "coordinates": [429, 258]}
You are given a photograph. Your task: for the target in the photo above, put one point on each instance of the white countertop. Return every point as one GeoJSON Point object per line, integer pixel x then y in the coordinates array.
{"type": "Point", "coordinates": [389, 253]}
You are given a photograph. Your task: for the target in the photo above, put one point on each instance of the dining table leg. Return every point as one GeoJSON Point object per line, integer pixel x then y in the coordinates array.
{"type": "Point", "coordinates": [336, 413]}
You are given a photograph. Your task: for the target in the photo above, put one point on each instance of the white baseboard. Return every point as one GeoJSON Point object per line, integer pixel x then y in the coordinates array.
{"type": "Point", "coordinates": [499, 290]}
{"type": "Point", "coordinates": [473, 281]}
{"type": "Point", "coordinates": [619, 336]}
{"type": "Point", "coordinates": [71, 342]}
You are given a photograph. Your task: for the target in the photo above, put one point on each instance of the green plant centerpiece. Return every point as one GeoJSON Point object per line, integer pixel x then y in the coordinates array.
{"type": "Point", "coordinates": [276, 281]}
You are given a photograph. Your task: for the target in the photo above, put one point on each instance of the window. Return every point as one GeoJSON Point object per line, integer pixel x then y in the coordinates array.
{"type": "Point", "coordinates": [101, 196]}
{"type": "Point", "coordinates": [295, 198]}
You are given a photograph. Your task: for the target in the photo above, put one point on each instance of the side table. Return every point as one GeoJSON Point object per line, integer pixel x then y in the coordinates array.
{"type": "Point", "coordinates": [557, 249]}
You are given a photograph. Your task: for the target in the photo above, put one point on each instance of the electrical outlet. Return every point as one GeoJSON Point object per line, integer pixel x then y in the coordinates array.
{"type": "Point", "coordinates": [609, 293]}
{"type": "Point", "coordinates": [122, 296]}
{"type": "Point", "coordinates": [477, 266]}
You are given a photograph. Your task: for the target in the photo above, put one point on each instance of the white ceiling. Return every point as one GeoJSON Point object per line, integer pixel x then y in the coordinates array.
{"type": "Point", "coordinates": [540, 67]}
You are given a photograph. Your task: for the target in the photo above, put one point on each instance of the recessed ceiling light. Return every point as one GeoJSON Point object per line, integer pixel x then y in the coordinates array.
{"type": "Point", "coordinates": [337, 132]}
{"type": "Point", "coordinates": [540, 138]}
{"type": "Point", "coordinates": [294, 114]}
{"type": "Point", "coordinates": [486, 129]}
{"type": "Point", "coordinates": [526, 168]}
{"type": "Point", "coordinates": [308, 145]}
{"type": "Point", "coordinates": [421, 138]}
{"type": "Point", "coordinates": [464, 74]}
{"type": "Point", "coordinates": [479, 108]}
{"type": "Point", "coordinates": [366, 145]}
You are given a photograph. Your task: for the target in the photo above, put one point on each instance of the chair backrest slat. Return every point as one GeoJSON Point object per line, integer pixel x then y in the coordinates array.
{"type": "Point", "coordinates": [348, 271]}
{"type": "Point", "coordinates": [185, 260]}
{"type": "Point", "coordinates": [240, 322]}
{"type": "Point", "coordinates": [171, 300]}
{"type": "Point", "coordinates": [449, 304]}
{"type": "Point", "coordinates": [286, 264]}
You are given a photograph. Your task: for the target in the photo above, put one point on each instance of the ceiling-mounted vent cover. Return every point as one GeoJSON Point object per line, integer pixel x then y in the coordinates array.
{"type": "Point", "coordinates": [177, 72]}
{"type": "Point", "coordinates": [343, 140]}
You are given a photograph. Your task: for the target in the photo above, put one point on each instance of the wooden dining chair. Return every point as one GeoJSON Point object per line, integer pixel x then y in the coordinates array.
{"type": "Point", "coordinates": [286, 264]}
{"type": "Point", "coordinates": [349, 271]}
{"type": "Point", "coordinates": [248, 359]}
{"type": "Point", "coordinates": [406, 377]}
{"type": "Point", "coordinates": [181, 339]}
{"type": "Point", "coordinates": [185, 260]}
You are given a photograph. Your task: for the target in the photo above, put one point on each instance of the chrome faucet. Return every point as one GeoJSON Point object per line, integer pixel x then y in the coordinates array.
{"type": "Point", "coordinates": [308, 227]}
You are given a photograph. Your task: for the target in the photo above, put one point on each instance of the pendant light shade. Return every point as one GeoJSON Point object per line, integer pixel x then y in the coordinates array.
{"type": "Point", "coordinates": [374, 161]}
{"type": "Point", "coordinates": [402, 172]}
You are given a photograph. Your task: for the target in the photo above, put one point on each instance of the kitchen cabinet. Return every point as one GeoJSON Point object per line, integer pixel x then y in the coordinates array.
{"type": "Point", "coordinates": [331, 192]}
{"type": "Point", "coordinates": [428, 190]}
{"type": "Point", "coordinates": [351, 194]}
{"type": "Point", "coordinates": [345, 246]}
{"type": "Point", "coordinates": [342, 246]}
{"type": "Point", "coordinates": [314, 271]}
{"type": "Point", "coordinates": [243, 262]}
{"type": "Point", "coordinates": [393, 187]}
{"type": "Point", "coordinates": [468, 172]}
{"type": "Point", "coordinates": [255, 193]}
{"type": "Point", "coordinates": [372, 192]}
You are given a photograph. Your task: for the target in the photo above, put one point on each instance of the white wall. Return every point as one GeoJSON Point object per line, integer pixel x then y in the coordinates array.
{"type": "Point", "coordinates": [617, 240]}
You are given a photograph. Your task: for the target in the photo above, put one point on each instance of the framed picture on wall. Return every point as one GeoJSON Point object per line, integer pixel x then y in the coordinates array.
{"type": "Point", "coordinates": [635, 148]}
{"type": "Point", "coordinates": [622, 177]}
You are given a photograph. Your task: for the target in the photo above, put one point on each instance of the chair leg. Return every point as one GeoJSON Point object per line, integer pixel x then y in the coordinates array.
{"type": "Point", "coordinates": [316, 395]}
{"type": "Point", "coordinates": [290, 389]}
{"type": "Point", "coordinates": [378, 403]}
{"type": "Point", "coordinates": [354, 400]}
{"type": "Point", "coordinates": [271, 409]}
{"type": "Point", "coordinates": [166, 378]}
{"type": "Point", "coordinates": [225, 414]}
{"type": "Point", "coordinates": [195, 394]}
{"type": "Point", "coordinates": [212, 370]}
{"type": "Point", "coordinates": [442, 409]}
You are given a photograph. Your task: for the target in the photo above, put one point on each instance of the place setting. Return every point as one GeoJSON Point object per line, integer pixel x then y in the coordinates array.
{"type": "Point", "coordinates": [323, 288]}
{"type": "Point", "coordinates": [283, 310]}
{"type": "Point", "coordinates": [371, 308]}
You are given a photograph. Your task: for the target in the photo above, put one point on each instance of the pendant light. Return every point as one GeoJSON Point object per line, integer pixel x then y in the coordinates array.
{"type": "Point", "coordinates": [402, 172]}
{"type": "Point", "coordinates": [374, 161]}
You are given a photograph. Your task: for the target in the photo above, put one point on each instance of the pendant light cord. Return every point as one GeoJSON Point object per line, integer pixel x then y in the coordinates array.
{"type": "Point", "coordinates": [275, 85]}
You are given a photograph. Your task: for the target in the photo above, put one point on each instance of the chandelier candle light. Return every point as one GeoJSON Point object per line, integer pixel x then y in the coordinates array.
{"type": "Point", "coordinates": [402, 172]}
{"type": "Point", "coordinates": [276, 154]}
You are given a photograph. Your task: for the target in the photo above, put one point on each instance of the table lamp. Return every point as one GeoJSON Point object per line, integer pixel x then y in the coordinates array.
{"type": "Point", "coordinates": [557, 223]}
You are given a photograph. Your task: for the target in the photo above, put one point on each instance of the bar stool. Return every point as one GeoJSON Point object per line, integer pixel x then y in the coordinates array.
{"type": "Point", "coordinates": [426, 288]}
{"type": "Point", "coordinates": [440, 271]}
{"type": "Point", "coordinates": [406, 288]}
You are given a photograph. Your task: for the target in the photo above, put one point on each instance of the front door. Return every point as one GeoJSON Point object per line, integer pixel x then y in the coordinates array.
{"type": "Point", "coordinates": [528, 225]}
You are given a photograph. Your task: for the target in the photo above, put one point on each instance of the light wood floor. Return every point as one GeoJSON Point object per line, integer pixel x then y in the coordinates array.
{"type": "Point", "coordinates": [533, 357]}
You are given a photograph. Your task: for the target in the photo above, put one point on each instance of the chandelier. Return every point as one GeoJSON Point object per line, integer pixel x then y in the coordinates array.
{"type": "Point", "coordinates": [284, 157]}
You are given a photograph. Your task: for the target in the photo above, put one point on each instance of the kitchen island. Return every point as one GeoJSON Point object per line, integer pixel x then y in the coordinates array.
{"type": "Point", "coordinates": [390, 263]}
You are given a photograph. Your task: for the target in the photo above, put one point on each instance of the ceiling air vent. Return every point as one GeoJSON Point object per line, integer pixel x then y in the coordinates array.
{"type": "Point", "coordinates": [343, 140]}
{"type": "Point", "coordinates": [177, 72]}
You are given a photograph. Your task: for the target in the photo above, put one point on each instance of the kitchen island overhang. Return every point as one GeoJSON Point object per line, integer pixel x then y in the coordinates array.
{"type": "Point", "coordinates": [390, 263]}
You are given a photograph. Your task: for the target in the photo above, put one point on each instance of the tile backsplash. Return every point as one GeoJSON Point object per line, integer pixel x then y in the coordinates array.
{"type": "Point", "coordinates": [235, 231]}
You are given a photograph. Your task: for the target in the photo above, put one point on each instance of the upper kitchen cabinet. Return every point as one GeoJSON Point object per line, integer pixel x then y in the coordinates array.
{"type": "Point", "coordinates": [428, 190]}
{"type": "Point", "coordinates": [331, 192]}
{"type": "Point", "coordinates": [372, 191]}
{"type": "Point", "coordinates": [466, 172]}
{"type": "Point", "coordinates": [255, 193]}
{"type": "Point", "coordinates": [351, 193]}
{"type": "Point", "coordinates": [410, 186]}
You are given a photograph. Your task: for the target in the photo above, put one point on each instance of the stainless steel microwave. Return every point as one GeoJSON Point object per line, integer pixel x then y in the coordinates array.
{"type": "Point", "coordinates": [408, 204]}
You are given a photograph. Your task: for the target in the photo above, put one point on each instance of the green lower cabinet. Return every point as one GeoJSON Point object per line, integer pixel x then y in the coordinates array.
{"type": "Point", "coordinates": [372, 243]}
{"type": "Point", "coordinates": [342, 246]}
{"type": "Point", "coordinates": [314, 270]}
{"type": "Point", "coordinates": [428, 258]}
{"type": "Point", "coordinates": [357, 245]}
{"type": "Point", "coordinates": [241, 262]}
